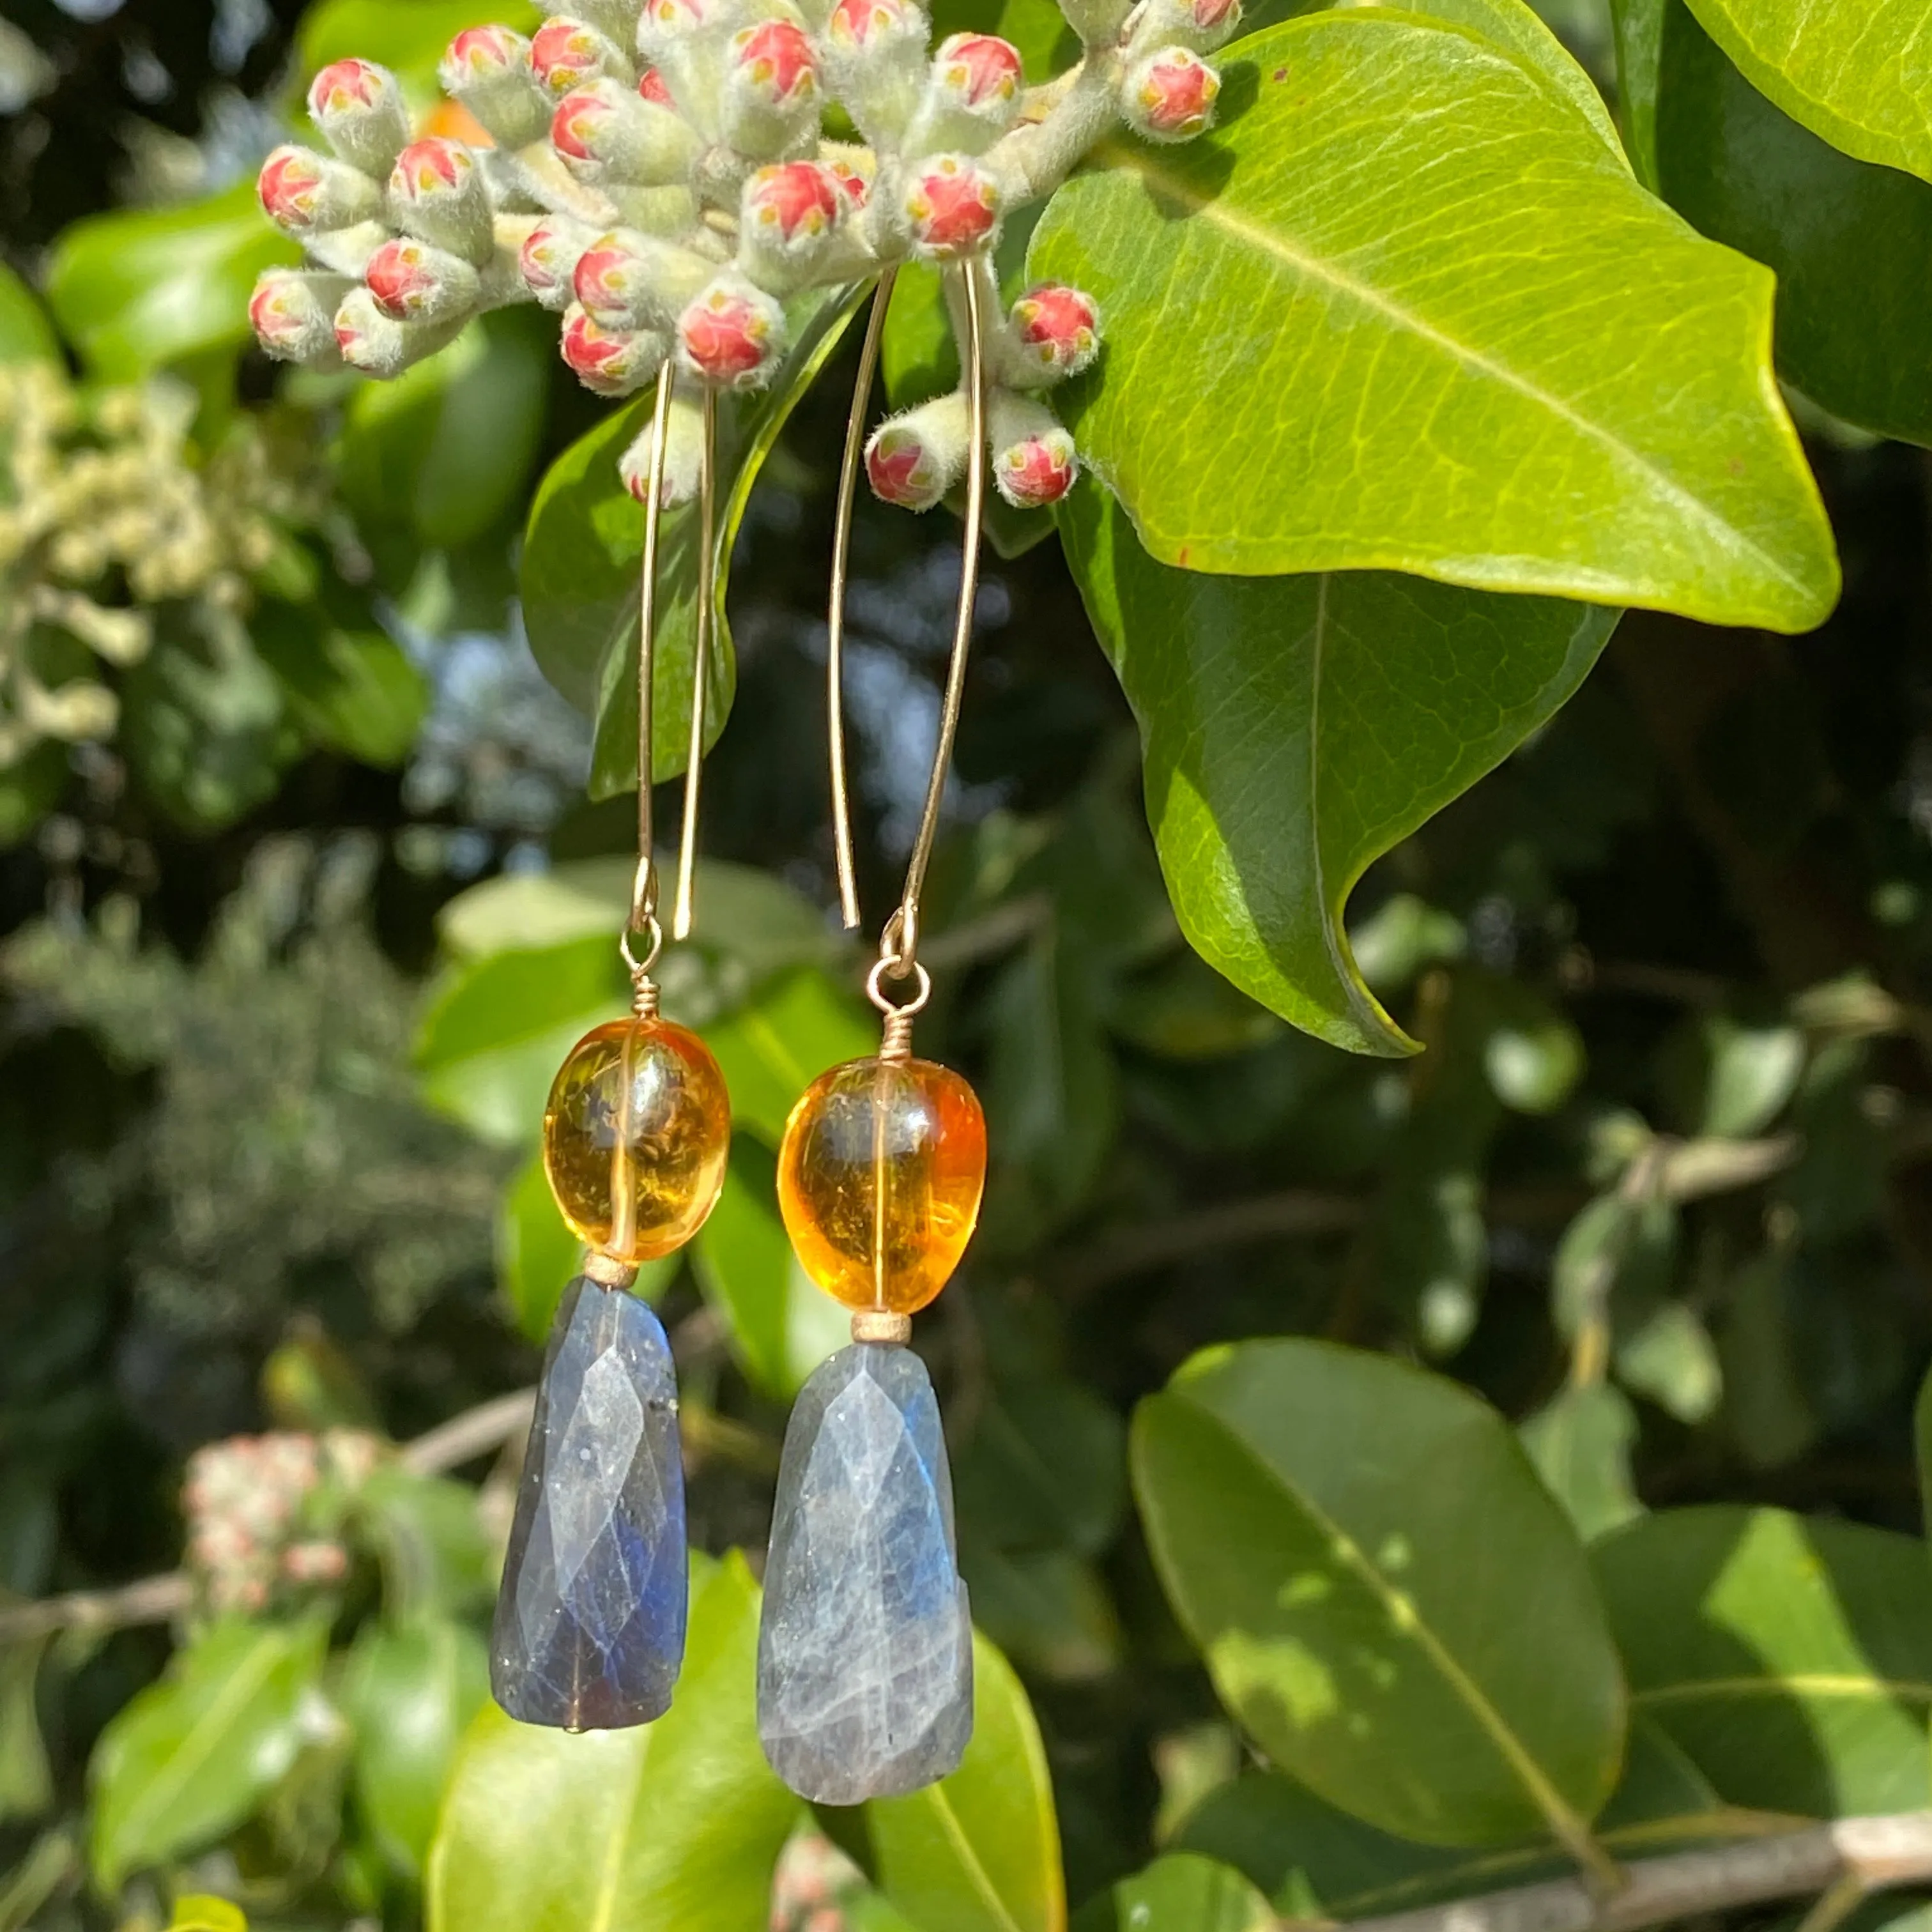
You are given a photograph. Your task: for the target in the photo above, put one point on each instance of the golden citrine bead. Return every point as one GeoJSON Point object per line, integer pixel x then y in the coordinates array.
{"type": "Point", "coordinates": [635, 1136]}
{"type": "Point", "coordinates": [880, 1177]}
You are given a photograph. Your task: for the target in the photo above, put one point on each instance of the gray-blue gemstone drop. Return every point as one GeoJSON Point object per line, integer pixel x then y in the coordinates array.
{"type": "Point", "coordinates": [589, 1628]}
{"type": "Point", "coordinates": [865, 1646]}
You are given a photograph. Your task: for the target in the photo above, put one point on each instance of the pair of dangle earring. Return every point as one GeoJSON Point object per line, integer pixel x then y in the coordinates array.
{"type": "Point", "coordinates": [865, 1642]}
{"type": "Point", "coordinates": [590, 1616]}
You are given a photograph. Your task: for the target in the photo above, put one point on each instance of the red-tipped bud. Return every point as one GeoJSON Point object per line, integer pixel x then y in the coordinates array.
{"type": "Point", "coordinates": [855, 186]}
{"type": "Point", "coordinates": [684, 456]}
{"type": "Point", "coordinates": [732, 334]}
{"type": "Point", "coordinates": [665, 22]}
{"type": "Point", "coordinates": [292, 312]}
{"type": "Point", "coordinates": [857, 25]}
{"type": "Point", "coordinates": [1170, 95]}
{"type": "Point", "coordinates": [875, 52]}
{"type": "Point", "coordinates": [774, 61]}
{"type": "Point", "coordinates": [1055, 332]}
{"type": "Point", "coordinates": [378, 344]}
{"type": "Point", "coordinates": [1202, 25]}
{"type": "Point", "coordinates": [953, 206]}
{"type": "Point", "coordinates": [979, 71]}
{"type": "Point", "coordinates": [549, 258]}
{"type": "Point", "coordinates": [913, 459]}
{"type": "Point", "coordinates": [438, 193]}
{"type": "Point", "coordinates": [488, 69]}
{"type": "Point", "coordinates": [566, 53]}
{"type": "Point", "coordinates": [606, 127]}
{"type": "Point", "coordinates": [652, 87]}
{"type": "Point", "coordinates": [360, 110]}
{"type": "Point", "coordinates": [793, 208]}
{"type": "Point", "coordinates": [1033, 462]}
{"type": "Point", "coordinates": [611, 361]}
{"type": "Point", "coordinates": [304, 194]}
{"type": "Point", "coordinates": [626, 279]}
{"type": "Point", "coordinates": [414, 281]}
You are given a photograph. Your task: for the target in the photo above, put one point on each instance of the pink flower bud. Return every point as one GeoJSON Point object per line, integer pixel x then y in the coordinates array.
{"type": "Point", "coordinates": [413, 281]}
{"type": "Point", "coordinates": [980, 71]}
{"type": "Point", "coordinates": [775, 60]}
{"type": "Point", "coordinates": [437, 192]}
{"type": "Point", "coordinates": [684, 452]}
{"type": "Point", "coordinates": [292, 312]}
{"type": "Point", "coordinates": [611, 361]}
{"type": "Point", "coordinates": [304, 193]}
{"type": "Point", "coordinates": [953, 206]}
{"type": "Point", "coordinates": [488, 69]}
{"type": "Point", "coordinates": [626, 280]}
{"type": "Point", "coordinates": [360, 110]}
{"type": "Point", "coordinates": [789, 212]}
{"type": "Point", "coordinates": [1034, 461]}
{"type": "Point", "coordinates": [1170, 95]}
{"type": "Point", "coordinates": [652, 87]}
{"type": "Point", "coordinates": [1055, 332]}
{"type": "Point", "coordinates": [565, 53]}
{"type": "Point", "coordinates": [875, 54]}
{"type": "Point", "coordinates": [856, 186]}
{"type": "Point", "coordinates": [549, 258]}
{"type": "Point", "coordinates": [913, 459]}
{"type": "Point", "coordinates": [378, 344]}
{"type": "Point", "coordinates": [858, 24]}
{"type": "Point", "coordinates": [606, 126]}
{"type": "Point", "coordinates": [1202, 25]}
{"type": "Point", "coordinates": [732, 334]}
{"type": "Point", "coordinates": [663, 21]}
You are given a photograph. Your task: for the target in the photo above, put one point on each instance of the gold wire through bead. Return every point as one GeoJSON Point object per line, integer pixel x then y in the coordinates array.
{"type": "Point", "coordinates": [881, 1326]}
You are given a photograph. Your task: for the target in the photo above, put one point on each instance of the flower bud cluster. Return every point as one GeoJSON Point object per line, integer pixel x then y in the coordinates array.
{"type": "Point", "coordinates": [655, 172]}
{"type": "Point", "coordinates": [265, 1515]}
{"type": "Point", "coordinates": [106, 510]}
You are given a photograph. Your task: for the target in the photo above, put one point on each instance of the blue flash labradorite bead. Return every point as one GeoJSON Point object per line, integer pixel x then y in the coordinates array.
{"type": "Point", "coordinates": [589, 1628]}
{"type": "Point", "coordinates": [865, 1645]}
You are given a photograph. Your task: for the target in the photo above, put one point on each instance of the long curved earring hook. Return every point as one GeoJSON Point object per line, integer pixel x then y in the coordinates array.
{"type": "Point", "coordinates": [700, 668]}
{"type": "Point", "coordinates": [835, 616]}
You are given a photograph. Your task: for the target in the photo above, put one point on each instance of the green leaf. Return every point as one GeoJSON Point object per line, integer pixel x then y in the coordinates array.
{"type": "Point", "coordinates": [443, 454]}
{"type": "Point", "coordinates": [1639, 29]}
{"type": "Point", "coordinates": [26, 1778]}
{"type": "Point", "coordinates": [980, 1851]}
{"type": "Point", "coordinates": [1595, 380]}
{"type": "Point", "coordinates": [582, 550]}
{"type": "Point", "coordinates": [1861, 77]}
{"type": "Point", "coordinates": [439, 1558]}
{"type": "Point", "coordinates": [495, 1032]}
{"type": "Point", "coordinates": [1851, 241]}
{"type": "Point", "coordinates": [138, 289]}
{"type": "Point", "coordinates": [782, 1324]}
{"type": "Point", "coordinates": [409, 38]}
{"type": "Point", "coordinates": [202, 1911]}
{"type": "Point", "coordinates": [1048, 1610]}
{"type": "Point", "coordinates": [26, 335]}
{"type": "Point", "coordinates": [189, 1758]}
{"type": "Point", "coordinates": [677, 1823]}
{"type": "Point", "coordinates": [1789, 1661]}
{"type": "Point", "coordinates": [1294, 729]}
{"type": "Point", "coordinates": [352, 689]}
{"type": "Point", "coordinates": [537, 1255]}
{"type": "Point", "coordinates": [411, 1692]}
{"type": "Point", "coordinates": [1580, 1443]}
{"type": "Point", "coordinates": [780, 1040]}
{"type": "Point", "coordinates": [1182, 1892]}
{"type": "Point", "coordinates": [1037, 28]}
{"type": "Point", "coordinates": [1671, 1359]}
{"type": "Point", "coordinates": [1346, 1539]}
{"type": "Point", "coordinates": [1043, 1467]}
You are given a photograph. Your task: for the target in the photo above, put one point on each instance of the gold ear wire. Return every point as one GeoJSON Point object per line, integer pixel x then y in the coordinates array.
{"type": "Point", "coordinates": [835, 616]}
{"type": "Point", "coordinates": [643, 919]}
{"type": "Point", "coordinates": [700, 667]}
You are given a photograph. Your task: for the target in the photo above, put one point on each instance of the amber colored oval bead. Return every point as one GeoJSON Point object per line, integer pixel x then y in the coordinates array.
{"type": "Point", "coordinates": [879, 1175]}
{"type": "Point", "coordinates": [635, 1135]}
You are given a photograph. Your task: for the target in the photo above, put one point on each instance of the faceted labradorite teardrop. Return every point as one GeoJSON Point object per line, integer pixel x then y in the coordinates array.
{"type": "Point", "coordinates": [589, 1629]}
{"type": "Point", "coordinates": [866, 1648]}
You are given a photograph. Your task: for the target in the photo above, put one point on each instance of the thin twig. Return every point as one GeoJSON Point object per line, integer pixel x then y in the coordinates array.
{"type": "Point", "coordinates": [1872, 1853]}
{"type": "Point", "coordinates": [477, 1432]}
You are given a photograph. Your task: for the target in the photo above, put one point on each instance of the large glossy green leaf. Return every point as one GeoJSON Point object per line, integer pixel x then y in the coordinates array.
{"type": "Point", "coordinates": [537, 1255]}
{"type": "Point", "coordinates": [1860, 75]}
{"type": "Point", "coordinates": [1490, 358]}
{"type": "Point", "coordinates": [443, 454]}
{"type": "Point", "coordinates": [1851, 241]}
{"type": "Point", "coordinates": [408, 38]}
{"type": "Point", "coordinates": [782, 1324]}
{"type": "Point", "coordinates": [1182, 1892]}
{"type": "Point", "coordinates": [26, 335]}
{"type": "Point", "coordinates": [140, 288]}
{"type": "Point", "coordinates": [1789, 1661]}
{"type": "Point", "coordinates": [980, 1851]}
{"type": "Point", "coordinates": [1349, 1541]}
{"type": "Point", "coordinates": [582, 550]}
{"type": "Point", "coordinates": [1639, 27]}
{"type": "Point", "coordinates": [411, 1693]}
{"type": "Point", "coordinates": [677, 1823]}
{"type": "Point", "coordinates": [192, 1755]}
{"type": "Point", "coordinates": [773, 1046]}
{"type": "Point", "coordinates": [1294, 729]}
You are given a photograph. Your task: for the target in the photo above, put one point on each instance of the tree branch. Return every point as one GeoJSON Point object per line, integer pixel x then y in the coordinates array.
{"type": "Point", "coordinates": [1854, 1854]}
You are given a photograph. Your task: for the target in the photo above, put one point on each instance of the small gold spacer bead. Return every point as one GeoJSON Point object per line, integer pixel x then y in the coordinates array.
{"type": "Point", "coordinates": [608, 1272]}
{"type": "Point", "coordinates": [881, 1325]}
{"type": "Point", "coordinates": [896, 1042]}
